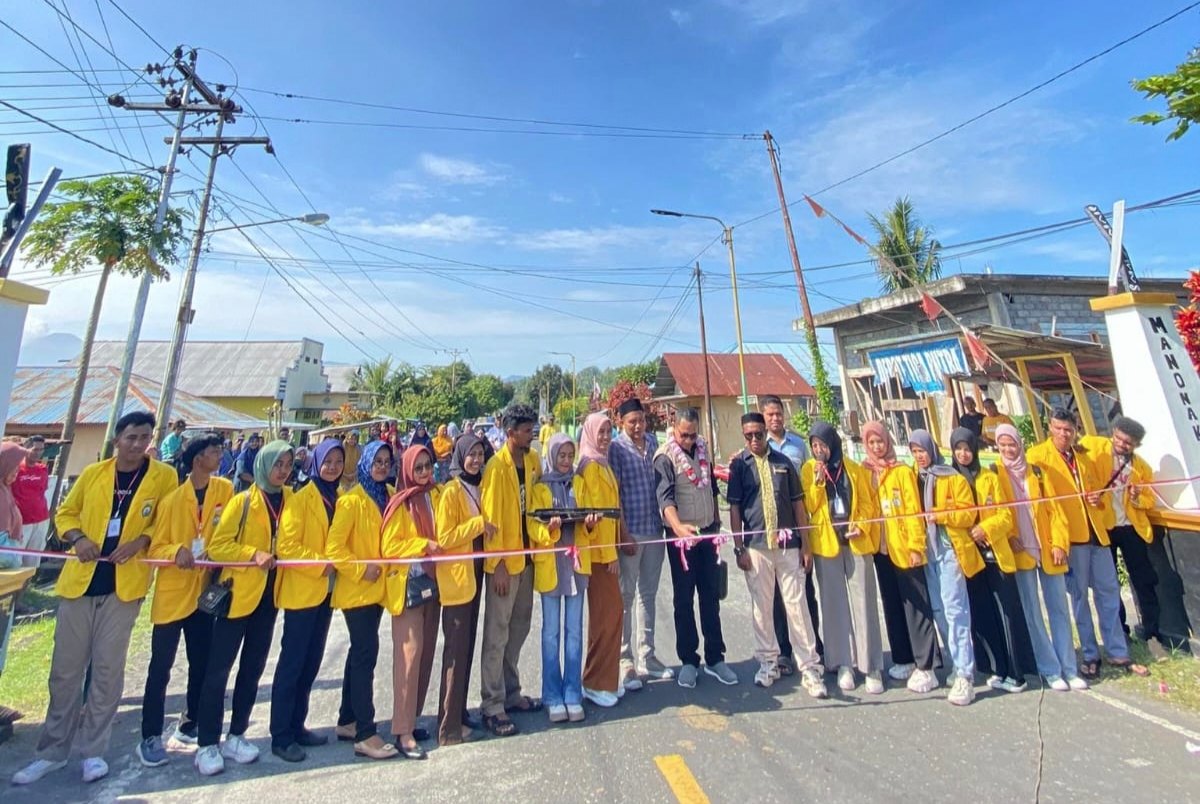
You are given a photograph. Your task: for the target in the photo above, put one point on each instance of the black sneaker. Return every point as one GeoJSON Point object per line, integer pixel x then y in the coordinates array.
{"type": "Point", "coordinates": [290, 753]}
{"type": "Point", "coordinates": [310, 739]}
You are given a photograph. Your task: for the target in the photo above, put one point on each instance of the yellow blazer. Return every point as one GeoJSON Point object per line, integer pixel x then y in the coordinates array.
{"type": "Point", "coordinates": [952, 494]}
{"type": "Point", "coordinates": [597, 488]}
{"type": "Point", "coordinates": [864, 505]}
{"type": "Point", "coordinates": [355, 534]}
{"type": "Point", "coordinates": [457, 530]}
{"type": "Point", "coordinates": [501, 505]}
{"type": "Point", "coordinates": [1058, 480]}
{"type": "Point", "coordinates": [1048, 520]}
{"type": "Point", "coordinates": [303, 531]}
{"type": "Point", "coordinates": [545, 565]}
{"type": "Point", "coordinates": [1137, 506]}
{"type": "Point", "coordinates": [402, 540]}
{"type": "Point", "coordinates": [177, 590]}
{"type": "Point", "coordinates": [88, 507]}
{"type": "Point", "coordinates": [249, 583]}
{"type": "Point", "coordinates": [998, 523]}
{"type": "Point", "coordinates": [900, 505]}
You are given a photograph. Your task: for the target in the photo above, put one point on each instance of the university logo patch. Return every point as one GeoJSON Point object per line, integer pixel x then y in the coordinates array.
{"type": "Point", "coordinates": [147, 509]}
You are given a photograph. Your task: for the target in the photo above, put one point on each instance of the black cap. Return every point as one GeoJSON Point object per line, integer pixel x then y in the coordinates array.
{"type": "Point", "coordinates": [629, 406]}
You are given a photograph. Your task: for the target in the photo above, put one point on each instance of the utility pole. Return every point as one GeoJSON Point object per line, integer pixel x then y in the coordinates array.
{"type": "Point", "coordinates": [820, 376]}
{"type": "Point", "coordinates": [220, 146]}
{"type": "Point", "coordinates": [708, 408]}
{"type": "Point", "coordinates": [454, 353]}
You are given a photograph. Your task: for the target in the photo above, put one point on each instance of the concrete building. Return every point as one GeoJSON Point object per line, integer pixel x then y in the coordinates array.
{"type": "Point", "coordinates": [680, 383]}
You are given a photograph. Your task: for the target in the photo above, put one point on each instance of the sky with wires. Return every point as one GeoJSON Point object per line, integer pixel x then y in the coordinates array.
{"type": "Point", "coordinates": [489, 167]}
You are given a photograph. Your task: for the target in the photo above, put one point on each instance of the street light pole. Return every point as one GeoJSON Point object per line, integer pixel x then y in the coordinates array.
{"type": "Point", "coordinates": [727, 239]}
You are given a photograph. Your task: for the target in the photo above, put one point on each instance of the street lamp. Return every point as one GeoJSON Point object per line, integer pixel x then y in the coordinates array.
{"type": "Point", "coordinates": [574, 384]}
{"type": "Point", "coordinates": [186, 313]}
{"type": "Point", "coordinates": [727, 239]}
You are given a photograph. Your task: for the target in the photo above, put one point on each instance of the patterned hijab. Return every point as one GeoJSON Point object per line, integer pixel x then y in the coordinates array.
{"type": "Point", "coordinates": [375, 490]}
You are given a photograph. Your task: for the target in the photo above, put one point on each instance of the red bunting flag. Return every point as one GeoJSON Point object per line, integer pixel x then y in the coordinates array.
{"type": "Point", "coordinates": [979, 352]}
{"type": "Point", "coordinates": [930, 306]}
{"type": "Point", "coordinates": [817, 209]}
{"type": "Point", "coordinates": [854, 234]}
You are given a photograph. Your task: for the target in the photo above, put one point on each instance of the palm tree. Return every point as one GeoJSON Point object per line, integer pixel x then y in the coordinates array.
{"type": "Point", "coordinates": [111, 222]}
{"type": "Point", "coordinates": [906, 253]}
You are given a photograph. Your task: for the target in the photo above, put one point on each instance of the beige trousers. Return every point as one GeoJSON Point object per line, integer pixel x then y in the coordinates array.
{"type": "Point", "coordinates": [505, 626]}
{"type": "Point", "coordinates": [767, 567]}
{"type": "Point", "coordinates": [849, 611]}
{"type": "Point", "coordinates": [414, 640]}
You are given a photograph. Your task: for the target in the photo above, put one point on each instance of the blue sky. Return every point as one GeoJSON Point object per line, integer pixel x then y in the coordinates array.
{"type": "Point", "coordinates": [522, 238]}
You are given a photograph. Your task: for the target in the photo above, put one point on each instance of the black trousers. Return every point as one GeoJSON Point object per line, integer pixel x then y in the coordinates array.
{"type": "Point", "coordinates": [251, 635]}
{"type": "Point", "coordinates": [197, 630]}
{"type": "Point", "coordinates": [913, 589]}
{"type": "Point", "coordinates": [300, 653]}
{"type": "Point", "coordinates": [699, 580]}
{"type": "Point", "coordinates": [460, 627]}
{"type": "Point", "coordinates": [998, 630]}
{"type": "Point", "coordinates": [781, 624]}
{"type": "Point", "coordinates": [358, 679]}
{"type": "Point", "coordinates": [894, 619]}
{"type": "Point", "coordinates": [1142, 577]}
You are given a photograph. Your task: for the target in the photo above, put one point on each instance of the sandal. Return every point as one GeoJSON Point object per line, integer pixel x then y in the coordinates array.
{"type": "Point", "coordinates": [1090, 670]}
{"type": "Point", "coordinates": [1129, 666]}
{"type": "Point", "coordinates": [527, 705]}
{"type": "Point", "coordinates": [500, 726]}
{"type": "Point", "coordinates": [786, 668]}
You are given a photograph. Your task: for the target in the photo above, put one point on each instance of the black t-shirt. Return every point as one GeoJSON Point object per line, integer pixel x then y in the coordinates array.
{"type": "Point", "coordinates": [200, 495]}
{"type": "Point", "coordinates": [104, 579]}
{"type": "Point", "coordinates": [524, 522]}
{"type": "Point", "coordinates": [973, 422]}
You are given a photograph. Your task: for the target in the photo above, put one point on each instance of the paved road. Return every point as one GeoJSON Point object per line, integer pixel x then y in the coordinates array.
{"type": "Point", "coordinates": [737, 743]}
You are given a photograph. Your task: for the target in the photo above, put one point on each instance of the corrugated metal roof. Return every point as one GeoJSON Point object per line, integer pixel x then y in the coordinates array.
{"type": "Point", "coordinates": [680, 373]}
{"type": "Point", "coordinates": [211, 368]}
{"type": "Point", "coordinates": [40, 397]}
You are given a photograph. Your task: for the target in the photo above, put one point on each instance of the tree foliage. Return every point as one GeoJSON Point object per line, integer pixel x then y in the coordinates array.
{"type": "Point", "coordinates": [433, 394]}
{"type": "Point", "coordinates": [549, 380]}
{"type": "Point", "coordinates": [109, 222]}
{"type": "Point", "coordinates": [907, 254]}
{"type": "Point", "coordinates": [656, 414]}
{"type": "Point", "coordinates": [570, 411]}
{"type": "Point", "coordinates": [1180, 89]}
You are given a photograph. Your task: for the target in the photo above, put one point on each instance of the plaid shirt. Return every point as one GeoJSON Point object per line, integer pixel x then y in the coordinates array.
{"type": "Point", "coordinates": [636, 482]}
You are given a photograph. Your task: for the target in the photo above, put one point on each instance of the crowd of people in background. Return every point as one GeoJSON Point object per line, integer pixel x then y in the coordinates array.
{"type": "Point", "coordinates": [958, 558]}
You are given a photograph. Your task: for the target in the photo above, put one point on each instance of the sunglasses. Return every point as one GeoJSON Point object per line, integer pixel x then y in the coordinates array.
{"type": "Point", "coordinates": [687, 436]}
{"type": "Point", "coordinates": [755, 435]}
{"type": "Point", "coordinates": [423, 467]}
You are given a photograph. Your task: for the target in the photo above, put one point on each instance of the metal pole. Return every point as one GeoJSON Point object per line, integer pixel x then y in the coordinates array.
{"type": "Point", "coordinates": [9, 252]}
{"type": "Point", "coordinates": [143, 294]}
{"type": "Point", "coordinates": [737, 319]}
{"type": "Point", "coordinates": [167, 394]}
{"type": "Point", "coordinates": [708, 408]}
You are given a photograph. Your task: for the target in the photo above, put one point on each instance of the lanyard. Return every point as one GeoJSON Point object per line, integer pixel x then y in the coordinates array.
{"type": "Point", "coordinates": [1125, 461]}
{"type": "Point", "coordinates": [328, 505]}
{"type": "Point", "coordinates": [120, 495]}
{"type": "Point", "coordinates": [831, 478]}
{"type": "Point", "coordinates": [271, 510]}
{"type": "Point", "coordinates": [1069, 459]}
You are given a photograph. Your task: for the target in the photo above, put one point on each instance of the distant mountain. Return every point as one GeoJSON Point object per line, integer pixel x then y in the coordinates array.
{"type": "Point", "coordinates": [49, 349]}
{"type": "Point", "coordinates": [515, 378]}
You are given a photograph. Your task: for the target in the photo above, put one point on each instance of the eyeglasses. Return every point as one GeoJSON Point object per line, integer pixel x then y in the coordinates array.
{"type": "Point", "coordinates": [686, 436]}
{"type": "Point", "coordinates": [423, 467]}
{"type": "Point", "coordinates": [755, 435]}
{"type": "Point", "coordinates": [382, 463]}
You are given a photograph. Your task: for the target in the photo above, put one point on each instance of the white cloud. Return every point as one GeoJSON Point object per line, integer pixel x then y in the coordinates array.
{"type": "Point", "coordinates": [403, 188]}
{"type": "Point", "coordinates": [766, 12]}
{"type": "Point", "coordinates": [436, 227]}
{"type": "Point", "coordinates": [459, 171]}
{"type": "Point", "coordinates": [680, 17]}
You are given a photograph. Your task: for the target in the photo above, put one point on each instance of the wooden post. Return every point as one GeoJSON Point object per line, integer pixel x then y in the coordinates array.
{"type": "Point", "coordinates": [1081, 400]}
{"type": "Point", "coordinates": [1035, 415]}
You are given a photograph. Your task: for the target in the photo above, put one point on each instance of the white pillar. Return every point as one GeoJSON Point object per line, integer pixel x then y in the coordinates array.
{"type": "Point", "coordinates": [15, 301]}
{"type": "Point", "coordinates": [1158, 386]}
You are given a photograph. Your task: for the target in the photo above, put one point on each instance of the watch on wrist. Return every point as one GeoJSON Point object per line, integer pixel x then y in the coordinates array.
{"type": "Point", "coordinates": [738, 552]}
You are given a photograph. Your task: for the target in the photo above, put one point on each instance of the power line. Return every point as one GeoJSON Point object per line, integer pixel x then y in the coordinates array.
{"type": "Point", "coordinates": [481, 130]}
{"type": "Point", "coordinates": [138, 25]}
{"type": "Point", "coordinates": [62, 130]}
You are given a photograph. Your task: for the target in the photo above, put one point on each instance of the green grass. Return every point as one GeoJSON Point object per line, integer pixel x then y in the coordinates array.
{"type": "Point", "coordinates": [23, 684]}
{"type": "Point", "coordinates": [1174, 678]}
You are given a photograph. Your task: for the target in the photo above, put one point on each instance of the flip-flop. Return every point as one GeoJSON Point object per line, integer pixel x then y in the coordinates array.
{"type": "Point", "coordinates": [530, 705]}
{"type": "Point", "coordinates": [1090, 670]}
{"type": "Point", "coordinates": [1129, 666]}
{"type": "Point", "coordinates": [498, 727]}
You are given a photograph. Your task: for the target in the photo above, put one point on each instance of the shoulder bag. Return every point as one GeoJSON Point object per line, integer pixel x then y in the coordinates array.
{"type": "Point", "coordinates": [217, 596]}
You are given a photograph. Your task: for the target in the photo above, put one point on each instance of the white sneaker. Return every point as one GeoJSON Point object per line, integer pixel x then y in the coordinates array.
{"type": "Point", "coordinates": [1077, 684]}
{"type": "Point", "coordinates": [209, 761]}
{"type": "Point", "coordinates": [922, 681]}
{"type": "Point", "coordinates": [766, 675]}
{"type": "Point", "coordinates": [620, 691]}
{"type": "Point", "coordinates": [94, 769]}
{"type": "Point", "coordinates": [600, 697]}
{"type": "Point", "coordinates": [36, 770]}
{"type": "Point", "coordinates": [875, 683]}
{"type": "Point", "coordinates": [901, 672]}
{"type": "Point", "coordinates": [1011, 684]}
{"type": "Point", "coordinates": [630, 680]}
{"type": "Point", "coordinates": [813, 683]}
{"type": "Point", "coordinates": [995, 682]}
{"type": "Point", "coordinates": [557, 713]}
{"type": "Point", "coordinates": [1057, 684]}
{"type": "Point", "coordinates": [846, 679]}
{"type": "Point", "coordinates": [962, 693]}
{"type": "Point", "coordinates": [239, 749]}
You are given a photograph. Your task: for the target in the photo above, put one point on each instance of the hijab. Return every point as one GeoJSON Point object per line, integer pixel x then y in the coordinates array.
{"type": "Point", "coordinates": [1017, 468]}
{"type": "Point", "coordinates": [928, 476]}
{"type": "Point", "coordinates": [559, 483]}
{"type": "Point", "coordinates": [971, 471]}
{"type": "Point", "coordinates": [462, 447]}
{"type": "Point", "coordinates": [588, 451]}
{"type": "Point", "coordinates": [879, 465]}
{"type": "Point", "coordinates": [442, 444]}
{"type": "Point", "coordinates": [452, 430]}
{"type": "Point", "coordinates": [11, 456]}
{"type": "Point", "coordinates": [265, 460]}
{"type": "Point", "coordinates": [836, 473]}
{"type": "Point", "coordinates": [328, 490]}
{"type": "Point", "coordinates": [420, 437]}
{"type": "Point", "coordinates": [375, 490]}
{"type": "Point", "coordinates": [828, 435]}
{"type": "Point", "coordinates": [413, 495]}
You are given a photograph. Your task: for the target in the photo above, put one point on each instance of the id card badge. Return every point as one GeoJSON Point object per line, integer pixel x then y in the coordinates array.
{"type": "Point", "coordinates": [839, 506]}
{"type": "Point", "coordinates": [197, 547]}
{"type": "Point", "coordinates": [114, 528]}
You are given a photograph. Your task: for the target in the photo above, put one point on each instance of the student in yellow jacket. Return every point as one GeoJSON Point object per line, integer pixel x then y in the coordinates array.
{"type": "Point", "coordinates": [900, 563]}
{"type": "Point", "coordinates": [461, 530]}
{"type": "Point", "coordinates": [1040, 548]}
{"type": "Point", "coordinates": [304, 594]}
{"type": "Point", "coordinates": [947, 503]}
{"type": "Point", "coordinates": [1002, 647]}
{"type": "Point", "coordinates": [353, 544]}
{"type": "Point", "coordinates": [508, 480]}
{"type": "Point", "coordinates": [107, 519]}
{"type": "Point", "coordinates": [1071, 472]}
{"type": "Point", "coordinates": [187, 518]}
{"type": "Point", "coordinates": [410, 532]}
{"type": "Point", "coordinates": [1129, 504]}
{"type": "Point", "coordinates": [842, 508]}
{"type": "Point", "coordinates": [246, 534]}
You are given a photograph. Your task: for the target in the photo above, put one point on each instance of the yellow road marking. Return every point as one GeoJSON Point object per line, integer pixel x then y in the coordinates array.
{"type": "Point", "coordinates": [683, 784]}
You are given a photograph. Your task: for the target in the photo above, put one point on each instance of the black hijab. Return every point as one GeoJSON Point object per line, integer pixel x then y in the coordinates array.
{"type": "Point", "coordinates": [971, 470]}
{"type": "Point", "coordinates": [462, 446]}
{"type": "Point", "coordinates": [827, 434]}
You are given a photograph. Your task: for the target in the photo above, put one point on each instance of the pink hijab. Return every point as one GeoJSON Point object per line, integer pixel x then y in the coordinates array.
{"type": "Point", "coordinates": [879, 465]}
{"type": "Point", "coordinates": [588, 451]}
{"type": "Point", "coordinates": [11, 456]}
{"type": "Point", "coordinates": [1017, 469]}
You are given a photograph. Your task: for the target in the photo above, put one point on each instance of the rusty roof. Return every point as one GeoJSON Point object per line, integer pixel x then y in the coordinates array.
{"type": "Point", "coordinates": [682, 374]}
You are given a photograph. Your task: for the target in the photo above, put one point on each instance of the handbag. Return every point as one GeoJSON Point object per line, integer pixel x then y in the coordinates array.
{"type": "Point", "coordinates": [217, 596]}
{"type": "Point", "coordinates": [421, 589]}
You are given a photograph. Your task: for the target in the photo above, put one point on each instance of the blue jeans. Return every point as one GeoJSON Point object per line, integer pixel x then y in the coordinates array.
{"type": "Point", "coordinates": [1093, 567]}
{"type": "Point", "coordinates": [562, 680]}
{"type": "Point", "coordinates": [948, 596]}
{"type": "Point", "coordinates": [1055, 650]}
